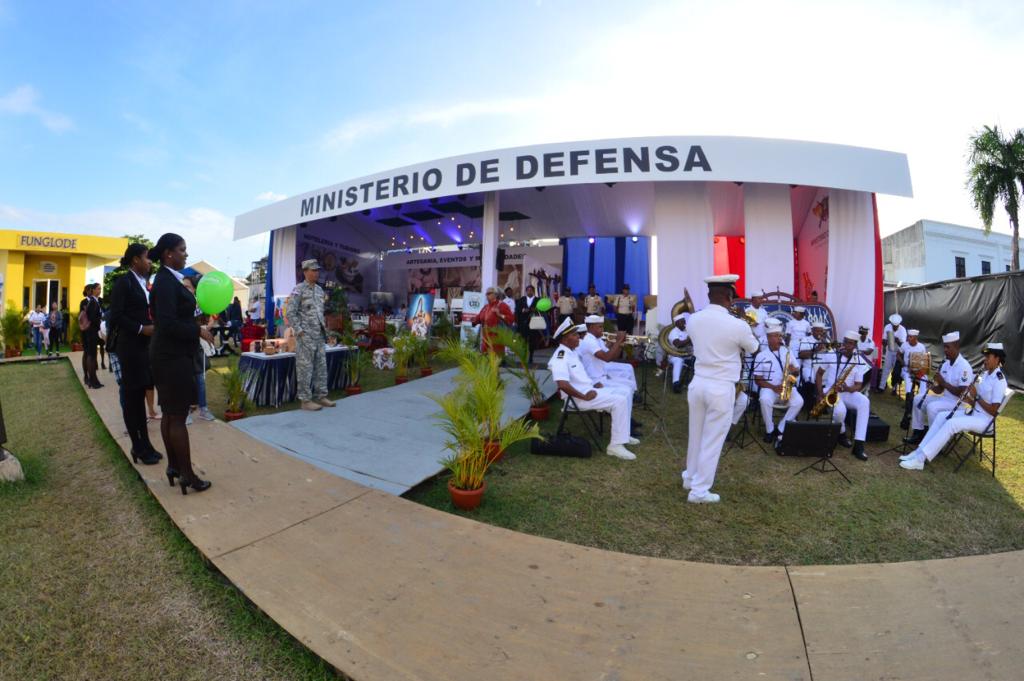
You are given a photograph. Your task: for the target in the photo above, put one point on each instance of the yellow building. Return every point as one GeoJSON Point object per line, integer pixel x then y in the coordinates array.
{"type": "Point", "coordinates": [39, 268]}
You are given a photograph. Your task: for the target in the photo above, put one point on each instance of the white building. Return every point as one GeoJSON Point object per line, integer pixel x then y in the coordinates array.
{"type": "Point", "coordinates": [930, 251]}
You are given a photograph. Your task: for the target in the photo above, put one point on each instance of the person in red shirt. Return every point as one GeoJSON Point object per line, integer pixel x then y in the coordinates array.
{"type": "Point", "coordinates": [493, 313]}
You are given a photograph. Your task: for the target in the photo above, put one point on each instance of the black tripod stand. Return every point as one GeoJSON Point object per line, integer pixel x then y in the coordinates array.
{"type": "Point", "coordinates": [744, 436]}
{"type": "Point", "coordinates": [645, 402]}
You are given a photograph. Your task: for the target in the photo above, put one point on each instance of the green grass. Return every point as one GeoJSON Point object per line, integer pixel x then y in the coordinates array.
{"type": "Point", "coordinates": [767, 516]}
{"type": "Point", "coordinates": [95, 580]}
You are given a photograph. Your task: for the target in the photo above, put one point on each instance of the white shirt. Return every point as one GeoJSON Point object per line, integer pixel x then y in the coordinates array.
{"type": "Point", "coordinates": [835, 363]}
{"type": "Point", "coordinates": [797, 330]}
{"type": "Point", "coordinates": [762, 316]}
{"type": "Point", "coordinates": [566, 304]}
{"type": "Point", "coordinates": [992, 387]}
{"type": "Point", "coordinates": [807, 365]}
{"type": "Point", "coordinates": [768, 365]}
{"type": "Point", "coordinates": [36, 318]}
{"type": "Point", "coordinates": [177, 275]}
{"type": "Point", "coordinates": [565, 365]}
{"type": "Point", "coordinates": [677, 334]}
{"type": "Point", "coordinates": [592, 364]}
{"type": "Point", "coordinates": [900, 334]}
{"type": "Point", "coordinates": [142, 283]}
{"type": "Point", "coordinates": [511, 302]}
{"type": "Point", "coordinates": [867, 348]}
{"type": "Point", "coordinates": [957, 373]}
{"type": "Point", "coordinates": [718, 338]}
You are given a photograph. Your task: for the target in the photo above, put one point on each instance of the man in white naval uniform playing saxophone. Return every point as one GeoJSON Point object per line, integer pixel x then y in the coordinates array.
{"type": "Point", "coordinates": [832, 366]}
{"type": "Point", "coordinates": [771, 366]}
{"type": "Point", "coordinates": [597, 356]}
{"type": "Point", "coordinates": [568, 373]}
{"type": "Point", "coordinates": [952, 378]}
{"type": "Point", "coordinates": [718, 338]}
{"type": "Point", "coordinates": [987, 397]}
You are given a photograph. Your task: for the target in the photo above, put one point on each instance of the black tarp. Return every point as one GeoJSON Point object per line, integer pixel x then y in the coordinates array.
{"type": "Point", "coordinates": [982, 309]}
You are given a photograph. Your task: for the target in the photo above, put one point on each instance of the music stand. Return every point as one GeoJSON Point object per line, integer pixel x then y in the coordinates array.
{"type": "Point", "coordinates": [815, 439]}
{"type": "Point", "coordinates": [744, 435]}
{"type": "Point", "coordinates": [902, 447]}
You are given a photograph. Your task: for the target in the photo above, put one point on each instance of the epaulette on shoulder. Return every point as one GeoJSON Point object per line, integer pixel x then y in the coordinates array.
{"type": "Point", "coordinates": [999, 374]}
{"type": "Point", "coordinates": [561, 354]}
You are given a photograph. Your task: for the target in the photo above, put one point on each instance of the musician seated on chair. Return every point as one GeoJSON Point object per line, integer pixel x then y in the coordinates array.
{"type": "Point", "coordinates": [773, 366]}
{"type": "Point", "coordinates": [869, 351]}
{"type": "Point", "coordinates": [910, 368]}
{"type": "Point", "coordinates": [598, 357]}
{"type": "Point", "coordinates": [987, 398]}
{"type": "Point", "coordinates": [951, 380]}
{"type": "Point", "coordinates": [680, 340]}
{"type": "Point", "coordinates": [568, 373]}
{"type": "Point", "coordinates": [807, 350]}
{"type": "Point", "coordinates": [844, 371]}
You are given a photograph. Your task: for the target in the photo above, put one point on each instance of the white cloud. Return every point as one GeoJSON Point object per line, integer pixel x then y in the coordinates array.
{"type": "Point", "coordinates": [270, 196]}
{"type": "Point", "coordinates": [23, 101]}
{"type": "Point", "coordinates": [207, 231]}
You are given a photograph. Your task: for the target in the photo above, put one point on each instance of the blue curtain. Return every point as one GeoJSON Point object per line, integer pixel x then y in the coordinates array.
{"type": "Point", "coordinates": [577, 265]}
{"type": "Point", "coordinates": [636, 269]}
{"type": "Point", "coordinates": [604, 266]}
{"type": "Point", "coordinates": [608, 264]}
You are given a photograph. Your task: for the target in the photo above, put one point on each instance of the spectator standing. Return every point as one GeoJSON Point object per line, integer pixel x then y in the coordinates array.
{"type": "Point", "coordinates": [36, 319]}
{"type": "Point", "coordinates": [526, 308]}
{"type": "Point", "coordinates": [55, 324]}
{"type": "Point", "coordinates": [200, 363]}
{"type": "Point", "coordinates": [89, 316]}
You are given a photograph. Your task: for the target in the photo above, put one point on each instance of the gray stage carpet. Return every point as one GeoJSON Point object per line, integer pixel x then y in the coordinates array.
{"type": "Point", "coordinates": [387, 439]}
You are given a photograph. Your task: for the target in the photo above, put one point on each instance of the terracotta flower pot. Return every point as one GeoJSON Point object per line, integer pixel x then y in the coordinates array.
{"type": "Point", "coordinates": [399, 380]}
{"type": "Point", "coordinates": [10, 352]}
{"type": "Point", "coordinates": [426, 371]}
{"type": "Point", "coordinates": [466, 499]}
{"type": "Point", "coordinates": [494, 451]}
{"type": "Point", "coordinates": [233, 415]}
{"type": "Point", "coordinates": [353, 389]}
{"type": "Point", "coordinates": [635, 363]}
{"type": "Point", "coordinates": [540, 413]}
{"type": "Point", "coordinates": [76, 347]}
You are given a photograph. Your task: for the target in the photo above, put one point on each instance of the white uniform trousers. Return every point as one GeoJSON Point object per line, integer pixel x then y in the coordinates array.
{"type": "Point", "coordinates": [887, 367]}
{"type": "Point", "coordinates": [862, 404]}
{"type": "Point", "coordinates": [944, 401]}
{"type": "Point", "coordinates": [619, 404]}
{"type": "Point", "coordinates": [768, 398]}
{"type": "Point", "coordinates": [908, 384]}
{"type": "Point", "coordinates": [739, 407]}
{"type": "Point", "coordinates": [711, 405]}
{"type": "Point", "coordinates": [677, 364]}
{"type": "Point", "coordinates": [611, 384]}
{"type": "Point", "coordinates": [943, 430]}
{"type": "Point", "coordinates": [620, 372]}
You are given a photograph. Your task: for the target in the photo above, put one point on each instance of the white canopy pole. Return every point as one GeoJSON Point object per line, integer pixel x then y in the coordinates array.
{"type": "Point", "coordinates": [489, 250]}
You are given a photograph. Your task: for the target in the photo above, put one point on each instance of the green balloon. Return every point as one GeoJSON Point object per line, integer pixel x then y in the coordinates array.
{"type": "Point", "coordinates": [544, 304]}
{"type": "Point", "coordinates": [214, 292]}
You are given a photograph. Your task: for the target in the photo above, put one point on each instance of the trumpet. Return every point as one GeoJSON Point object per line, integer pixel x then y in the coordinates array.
{"type": "Point", "coordinates": [610, 337]}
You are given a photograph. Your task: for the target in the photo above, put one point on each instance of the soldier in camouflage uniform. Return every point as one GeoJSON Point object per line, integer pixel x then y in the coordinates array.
{"type": "Point", "coordinates": [305, 314]}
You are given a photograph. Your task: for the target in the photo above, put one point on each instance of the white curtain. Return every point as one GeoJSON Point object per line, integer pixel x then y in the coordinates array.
{"type": "Point", "coordinates": [768, 220]}
{"type": "Point", "coordinates": [851, 259]}
{"type": "Point", "coordinates": [282, 258]}
{"type": "Point", "coordinates": [686, 250]}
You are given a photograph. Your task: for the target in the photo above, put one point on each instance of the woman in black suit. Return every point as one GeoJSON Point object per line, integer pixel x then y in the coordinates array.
{"type": "Point", "coordinates": [129, 328]}
{"type": "Point", "coordinates": [174, 345]}
{"type": "Point", "coordinates": [90, 305]}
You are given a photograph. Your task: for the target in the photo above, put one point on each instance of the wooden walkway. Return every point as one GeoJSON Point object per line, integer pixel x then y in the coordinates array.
{"type": "Point", "coordinates": [383, 588]}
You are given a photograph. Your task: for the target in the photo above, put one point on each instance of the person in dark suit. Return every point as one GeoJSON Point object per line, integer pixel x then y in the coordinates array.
{"type": "Point", "coordinates": [129, 328]}
{"type": "Point", "coordinates": [526, 307]}
{"type": "Point", "coordinates": [90, 305]}
{"type": "Point", "coordinates": [173, 349]}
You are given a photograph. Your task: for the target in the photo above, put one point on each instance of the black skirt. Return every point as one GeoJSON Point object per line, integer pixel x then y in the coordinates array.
{"type": "Point", "coordinates": [175, 383]}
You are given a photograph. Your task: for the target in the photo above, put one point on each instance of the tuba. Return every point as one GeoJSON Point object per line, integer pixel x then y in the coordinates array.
{"type": "Point", "coordinates": [684, 305]}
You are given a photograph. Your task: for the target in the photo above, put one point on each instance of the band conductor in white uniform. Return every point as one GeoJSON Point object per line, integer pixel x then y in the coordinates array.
{"type": "Point", "coordinates": [772, 365]}
{"type": "Point", "coordinates": [680, 339]}
{"type": "Point", "coordinates": [598, 357]}
{"type": "Point", "coordinates": [718, 339]}
{"type": "Point", "coordinates": [952, 378]}
{"type": "Point", "coordinates": [568, 373]}
{"type": "Point", "coordinates": [987, 398]}
{"type": "Point", "coordinates": [893, 338]}
{"type": "Point", "coordinates": [833, 367]}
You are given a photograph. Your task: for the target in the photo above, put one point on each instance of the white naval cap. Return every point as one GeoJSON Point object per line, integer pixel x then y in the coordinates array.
{"type": "Point", "coordinates": [772, 326]}
{"type": "Point", "coordinates": [759, 293]}
{"type": "Point", "coordinates": [565, 327]}
{"type": "Point", "coordinates": [721, 279]}
{"type": "Point", "coordinates": [800, 308]}
{"type": "Point", "coordinates": [994, 349]}
{"type": "Point", "coordinates": [851, 336]}
{"type": "Point", "coordinates": [681, 315]}
{"type": "Point", "coordinates": [993, 346]}
{"type": "Point", "coordinates": [951, 337]}
{"type": "Point", "coordinates": [593, 319]}
{"type": "Point", "coordinates": [895, 319]}
{"type": "Point", "coordinates": [913, 332]}
{"type": "Point", "coordinates": [818, 325]}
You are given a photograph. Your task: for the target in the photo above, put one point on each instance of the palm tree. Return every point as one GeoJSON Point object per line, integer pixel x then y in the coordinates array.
{"type": "Point", "coordinates": [996, 165]}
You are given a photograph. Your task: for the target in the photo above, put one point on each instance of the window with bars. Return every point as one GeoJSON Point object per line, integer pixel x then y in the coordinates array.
{"type": "Point", "coordinates": [961, 266]}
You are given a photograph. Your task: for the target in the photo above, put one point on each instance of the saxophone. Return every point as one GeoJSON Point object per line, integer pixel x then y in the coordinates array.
{"type": "Point", "coordinates": [832, 396]}
{"type": "Point", "coordinates": [788, 381]}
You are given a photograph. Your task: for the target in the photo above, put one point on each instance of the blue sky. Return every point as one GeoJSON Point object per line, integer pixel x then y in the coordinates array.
{"type": "Point", "coordinates": [149, 117]}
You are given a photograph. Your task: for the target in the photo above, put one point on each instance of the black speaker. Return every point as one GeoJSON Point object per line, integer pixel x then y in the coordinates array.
{"type": "Point", "coordinates": [809, 438]}
{"type": "Point", "coordinates": [561, 445]}
{"type": "Point", "coordinates": [499, 261]}
{"type": "Point", "coordinates": [878, 430]}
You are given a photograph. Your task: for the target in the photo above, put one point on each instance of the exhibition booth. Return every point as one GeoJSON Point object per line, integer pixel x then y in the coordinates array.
{"type": "Point", "coordinates": [657, 213]}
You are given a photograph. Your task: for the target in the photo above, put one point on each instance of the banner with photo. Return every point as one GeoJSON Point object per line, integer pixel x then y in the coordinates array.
{"type": "Point", "coordinates": [420, 317]}
{"type": "Point", "coordinates": [341, 265]}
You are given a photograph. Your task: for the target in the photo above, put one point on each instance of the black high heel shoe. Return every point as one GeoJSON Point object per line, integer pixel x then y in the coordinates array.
{"type": "Point", "coordinates": [148, 458]}
{"type": "Point", "coordinates": [196, 483]}
{"type": "Point", "coordinates": [172, 473]}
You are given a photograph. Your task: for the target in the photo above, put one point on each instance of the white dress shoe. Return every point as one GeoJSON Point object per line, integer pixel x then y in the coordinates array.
{"type": "Point", "coordinates": [915, 464]}
{"type": "Point", "coordinates": [686, 481]}
{"type": "Point", "coordinates": [911, 455]}
{"type": "Point", "coordinates": [620, 452]}
{"type": "Point", "coordinates": [708, 498]}
{"type": "Point", "coordinates": [632, 441]}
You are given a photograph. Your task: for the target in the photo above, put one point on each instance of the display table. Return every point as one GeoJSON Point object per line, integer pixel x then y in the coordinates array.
{"type": "Point", "coordinates": [270, 379]}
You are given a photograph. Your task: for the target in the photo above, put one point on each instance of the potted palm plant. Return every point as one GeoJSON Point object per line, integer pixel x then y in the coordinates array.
{"type": "Point", "coordinates": [404, 344]}
{"type": "Point", "coordinates": [75, 334]}
{"type": "Point", "coordinates": [516, 345]}
{"type": "Point", "coordinates": [422, 356]}
{"type": "Point", "coordinates": [13, 328]}
{"type": "Point", "coordinates": [237, 398]}
{"type": "Point", "coordinates": [358, 362]}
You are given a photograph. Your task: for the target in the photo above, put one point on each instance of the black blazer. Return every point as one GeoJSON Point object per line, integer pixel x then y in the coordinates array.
{"type": "Point", "coordinates": [524, 312]}
{"type": "Point", "coordinates": [174, 314]}
{"type": "Point", "coordinates": [128, 312]}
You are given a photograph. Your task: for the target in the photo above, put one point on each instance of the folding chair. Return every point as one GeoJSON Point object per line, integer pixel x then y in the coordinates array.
{"type": "Point", "coordinates": [593, 426]}
{"type": "Point", "coordinates": [977, 440]}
